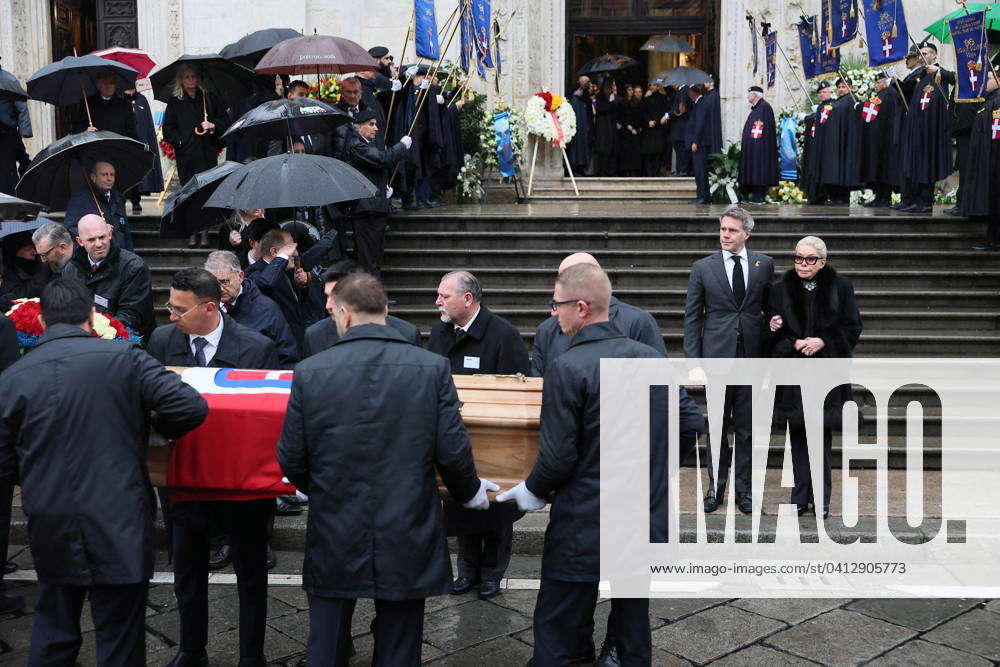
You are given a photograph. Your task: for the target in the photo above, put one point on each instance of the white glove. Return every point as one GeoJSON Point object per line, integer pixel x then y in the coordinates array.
{"type": "Point", "coordinates": [480, 501]}
{"type": "Point", "coordinates": [397, 85]}
{"type": "Point", "coordinates": [426, 83]}
{"type": "Point", "coordinates": [406, 141]}
{"type": "Point", "coordinates": [157, 439]}
{"type": "Point", "coordinates": [388, 192]}
{"type": "Point", "coordinates": [815, 106]}
{"type": "Point", "coordinates": [440, 99]}
{"type": "Point", "coordinates": [525, 499]}
{"type": "Point", "coordinates": [891, 71]}
{"type": "Point", "coordinates": [802, 115]}
{"type": "Point", "coordinates": [666, 116]}
{"type": "Point", "coordinates": [411, 71]}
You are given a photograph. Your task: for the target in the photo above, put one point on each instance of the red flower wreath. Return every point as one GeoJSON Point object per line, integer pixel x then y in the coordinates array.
{"type": "Point", "coordinates": [168, 150]}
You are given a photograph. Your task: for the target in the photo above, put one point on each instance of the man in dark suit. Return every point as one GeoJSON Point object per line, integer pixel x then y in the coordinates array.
{"type": "Point", "coordinates": [84, 482]}
{"type": "Point", "coordinates": [276, 275]}
{"type": "Point", "coordinates": [103, 199]}
{"type": "Point", "coordinates": [200, 335]}
{"type": "Point", "coordinates": [723, 317]}
{"type": "Point", "coordinates": [375, 527]}
{"type": "Point", "coordinates": [477, 342]}
{"type": "Point", "coordinates": [323, 334]}
{"type": "Point", "coordinates": [109, 111]}
{"type": "Point", "coordinates": [697, 137]}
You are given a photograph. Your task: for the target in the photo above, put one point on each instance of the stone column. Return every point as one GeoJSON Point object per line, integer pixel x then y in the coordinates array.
{"type": "Point", "coordinates": [26, 43]}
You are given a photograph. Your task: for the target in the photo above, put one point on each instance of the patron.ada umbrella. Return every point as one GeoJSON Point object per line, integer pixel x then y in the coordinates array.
{"type": "Point", "coordinates": [316, 54]}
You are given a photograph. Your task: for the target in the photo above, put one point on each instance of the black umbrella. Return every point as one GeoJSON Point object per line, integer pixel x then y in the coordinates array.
{"type": "Point", "coordinates": [10, 227]}
{"type": "Point", "coordinates": [685, 76]}
{"type": "Point", "coordinates": [609, 62]}
{"type": "Point", "coordinates": [231, 82]}
{"type": "Point", "coordinates": [278, 119]}
{"type": "Point", "coordinates": [74, 77]}
{"type": "Point", "coordinates": [12, 208]}
{"type": "Point", "coordinates": [291, 180]}
{"type": "Point", "coordinates": [10, 87]}
{"type": "Point", "coordinates": [61, 168]}
{"type": "Point", "coordinates": [666, 44]}
{"type": "Point", "coordinates": [249, 49]}
{"type": "Point", "coordinates": [183, 212]}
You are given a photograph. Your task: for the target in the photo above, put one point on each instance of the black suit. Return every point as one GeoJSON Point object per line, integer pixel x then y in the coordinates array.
{"type": "Point", "coordinates": [492, 346]}
{"type": "Point", "coordinates": [247, 523]}
{"type": "Point", "coordinates": [698, 132]}
{"type": "Point", "coordinates": [276, 282]}
{"type": "Point", "coordinates": [323, 334]}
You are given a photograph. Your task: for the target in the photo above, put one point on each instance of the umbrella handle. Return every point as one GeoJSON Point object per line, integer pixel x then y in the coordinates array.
{"type": "Point", "coordinates": [204, 105]}
{"type": "Point", "coordinates": [166, 186]}
{"type": "Point", "coordinates": [86, 105]}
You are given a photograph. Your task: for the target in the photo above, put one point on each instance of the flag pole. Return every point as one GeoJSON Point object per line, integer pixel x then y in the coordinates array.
{"type": "Point", "coordinates": [402, 56]}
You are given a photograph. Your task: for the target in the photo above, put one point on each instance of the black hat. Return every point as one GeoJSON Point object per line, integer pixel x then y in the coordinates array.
{"type": "Point", "coordinates": [755, 89]}
{"type": "Point", "coordinates": [364, 115]}
{"type": "Point", "coordinates": [822, 85]}
{"type": "Point", "coordinates": [881, 75]}
{"type": "Point", "coordinates": [378, 52]}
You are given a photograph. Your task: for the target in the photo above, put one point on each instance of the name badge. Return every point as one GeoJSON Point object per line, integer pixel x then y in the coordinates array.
{"type": "Point", "coordinates": [472, 362]}
{"type": "Point", "coordinates": [103, 303]}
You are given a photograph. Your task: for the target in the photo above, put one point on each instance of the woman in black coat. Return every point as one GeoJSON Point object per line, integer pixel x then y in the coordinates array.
{"type": "Point", "coordinates": [606, 126]}
{"type": "Point", "coordinates": [195, 140]}
{"type": "Point", "coordinates": [654, 130]}
{"type": "Point", "coordinates": [814, 313]}
{"type": "Point", "coordinates": [630, 136]}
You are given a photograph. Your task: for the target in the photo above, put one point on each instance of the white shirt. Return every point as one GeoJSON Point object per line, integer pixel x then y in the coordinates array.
{"type": "Point", "coordinates": [730, 263]}
{"type": "Point", "coordinates": [213, 342]}
{"type": "Point", "coordinates": [468, 325]}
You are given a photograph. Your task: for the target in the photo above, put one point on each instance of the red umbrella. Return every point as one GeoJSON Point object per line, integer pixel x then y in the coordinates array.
{"type": "Point", "coordinates": [137, 59]}
{"type": "Point", "coordinates": [315, 54]}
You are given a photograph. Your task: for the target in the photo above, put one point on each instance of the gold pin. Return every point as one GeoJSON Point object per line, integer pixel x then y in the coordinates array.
{"type": "Point", "coordinates": [757, 263]}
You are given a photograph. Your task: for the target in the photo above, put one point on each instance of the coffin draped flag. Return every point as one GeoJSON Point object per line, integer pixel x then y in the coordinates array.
{"type": "Point", "coordinates": [885, 27]}
{"type": "Point", "coordinates": [840, 21]}
{"type": "Point", "coordinates": [425, 30]}
{"type": "Point", "coordinates": [968, 34]}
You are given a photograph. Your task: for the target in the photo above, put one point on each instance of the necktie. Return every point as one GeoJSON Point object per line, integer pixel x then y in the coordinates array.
{"type": "Point", "coordinates": [199, 351]}
{"type": "Point", "coordinates": [94, 267]}
{"type": "Point", "coordinates": [739, 288]}
{"type": "Point", "coordinates": [459, 335]}
{"type": "Point", "coordinates": [354, 111]}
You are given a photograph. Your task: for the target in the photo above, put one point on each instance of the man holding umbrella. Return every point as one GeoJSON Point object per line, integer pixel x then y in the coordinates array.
{"type": "Point", "coordinates": [109, 110]}
{"type": "Point", "coordinates": [102, 198]}
{"type": "Point", "coordinates": [15, 123]}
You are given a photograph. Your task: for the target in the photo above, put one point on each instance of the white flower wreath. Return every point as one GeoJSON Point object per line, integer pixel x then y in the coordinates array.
{"type": "Point", "coordinates": [544, 123]}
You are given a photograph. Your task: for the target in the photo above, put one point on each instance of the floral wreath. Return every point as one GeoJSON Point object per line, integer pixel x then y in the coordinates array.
{"type": "Point", "coordinates": [548, 116]}
{"type": "Point", "coordinates": [24, 314]}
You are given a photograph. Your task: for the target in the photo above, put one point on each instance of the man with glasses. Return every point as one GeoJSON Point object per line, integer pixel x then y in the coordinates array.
{"type": "Point", "coordinates": [723, 317]}
{"type": "Point", "coordinates": [53, 245]}
{"type": "Point", "coordinates": [200, 335]}
{"type": "Point", "coordinates": [118, 278]}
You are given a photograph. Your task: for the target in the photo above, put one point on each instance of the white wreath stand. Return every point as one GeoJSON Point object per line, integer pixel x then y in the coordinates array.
{"type": "Point", "coordinates": [534, 156]}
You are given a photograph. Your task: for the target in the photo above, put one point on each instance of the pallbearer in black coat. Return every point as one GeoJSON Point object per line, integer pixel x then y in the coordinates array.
{"type": "Point", "coordinates": [759, 157]}
{"type": "Point", "coordinates": [838, 153]}
{"type": "Point", "coordinates": [76, 414]}
{"type": "Point", "coordinates": [927, 156]}
{"type": "Point", "coordinates": [982, 178]}
{"type": "Point", "coordinates": [368, 422]}
{"type": "Point", "coordinates": [882, 124]}
{"type": "Point", "coordinates": [578, 150]}
{"type": "Point", "coordinates": [476, 341]}
{"type": "Point", "coordinates": [606, 122]}
{"type": "Point", "coordinates": [654, 131]}
{"type": "Point", "coordinates": [200, 335]}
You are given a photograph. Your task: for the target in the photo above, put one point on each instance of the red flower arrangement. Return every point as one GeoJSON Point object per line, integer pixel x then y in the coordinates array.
{"type": "Point", "coordinates": [25, 318]}
{"type": "Point", "coordinates": [168, 150]}
{"type": "Point", "coordinates": [24, 314]}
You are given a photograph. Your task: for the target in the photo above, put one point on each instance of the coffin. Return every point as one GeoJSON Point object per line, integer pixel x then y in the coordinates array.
{"type": "Point", "coordinates": [501, 413]}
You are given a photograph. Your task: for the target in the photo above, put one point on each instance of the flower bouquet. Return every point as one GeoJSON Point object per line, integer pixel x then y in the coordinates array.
{"type": "Point", "coordinates": [548, 116]}
{"type": "Point", "coordinates": [24, 314]}
{"type": "Point", "coordinates": [786, 192]}
{"type": "Point", "coordinates": [326, 90]}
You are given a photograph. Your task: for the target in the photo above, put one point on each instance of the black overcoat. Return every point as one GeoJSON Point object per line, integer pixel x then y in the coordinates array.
{"type": "Point", "coordinates": [654, 139]}
{"type": "Point", "coordinates": [880, 140]}
{"type": "Point", "coordinates": [605, 126]}
{"type": "Point", "coordinates": [111, 115]}
{"type": "Point", "coordinates": [927, 154]}
{"type": "Point", "coordinates": [122, 287]}
{"type": "Point", "coordinates": [146, 130]}
{"type": "Point", "coordinates": [759, 157]}
{"type": "Point", "coordinates": [630, 145]}
{"type": "Point", "coordinates": [492, 347]}
{"type": "Point", "coordinates": [838, 150]}
{"type": "Point", "coordinates": [981, 187]}
{"type": "Point", "coordinates": [195, 152]}
{"type": "Point", "coordinates": [77, 412]}
{"type": "Point", "coordinates": [375, 163]}
{"type": "Point", "coordinates": [239, 347]}
{"type": "Point", "coordinates": [368, 422]}
{"type": "Point", "coordinates": [323, 334]}
{"type": "Point", "coordinates": [9, 349]}
{"type": "Point", "coordinates": [578, 150]}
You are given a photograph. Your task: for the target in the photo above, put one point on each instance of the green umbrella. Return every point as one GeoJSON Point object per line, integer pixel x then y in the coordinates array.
{"type": "Point", "coordinates": [940, 29]}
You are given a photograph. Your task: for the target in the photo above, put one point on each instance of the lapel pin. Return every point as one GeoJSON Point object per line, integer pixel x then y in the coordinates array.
{"type": "Point", "coordinates": [757, 263]}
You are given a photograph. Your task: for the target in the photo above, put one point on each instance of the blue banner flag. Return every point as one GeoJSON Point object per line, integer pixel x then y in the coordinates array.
{"type": "Point", "coordinates": [809, 58]}
{"type": "Point", "coordinates": [467, 38]}
{"type": "Point", "coordinates": [840, 21]}
{"type": "Point", "coordinates": [968, 34]}
{"type": "Point", "coordinates": [505, 147]}
{"type": "Point", "coordinates": [885, 26]}
{"type": "Point", "coordinates": [483, 32]}
{"type": "Point", "coordinates": [770, 47]}
{"type": "Point", "coordinates": [827, 57]}
{"type": "Point", "coordinates": [426, 30]}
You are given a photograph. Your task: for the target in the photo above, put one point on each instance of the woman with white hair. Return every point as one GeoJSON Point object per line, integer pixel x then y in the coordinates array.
{"type": "Point", "coordinates": [813, 314]}
{"type": "Point", "coordinates": [192, 123]}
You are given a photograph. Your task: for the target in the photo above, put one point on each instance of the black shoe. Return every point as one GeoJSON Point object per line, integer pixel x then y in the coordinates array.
{"type": "Point", "coordinates": [411, 205]}
{"type": "Point", "coordinates": [609, 655]}
{"type": "Point", "coordinates": [270, 560]}
{"type": "Point", "coordinates": [294, 500]}
{"type": "Point", "coordinates": [989, 247]}
{"type": "Point", "coordinates": [220, 558]}
{"type": "Point", "coordinates": [423, 204]}
{"type": "Point", "coordinates": [952, 211]}
{"type": "Point", "coordinates": [826, 511]}
{"type": "Point", "coordinates": [802, 509]}
{"type": "Point", "coordinates": [463, 585]}
{"type": "Point", "coordinates": [488, 589]}
{"type": "Point", "coordinates": [711, 502]}
{"type": "Point", "coordinates": [908, 208]}
{"type": "Point", "coordinates": [285, 508]}
{"type": "Point", "coordinates": [11, 604]}
{"type": "Point", "coordinates": [921, 209]}
{"type": "Point", "coordinates": [744, 504]}
{"type": "Point", "coordinates": [9, 568]}
{"type": "Point", "coordinates": [136, 209]}
{"type": "Point", "coordinates": [189, 659]}
{"type": "Point", "coordinates": [435, 203]}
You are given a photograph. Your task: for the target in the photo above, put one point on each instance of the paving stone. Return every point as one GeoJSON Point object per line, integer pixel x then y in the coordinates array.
{"type": "Point", "coordinates": [664, 659]}
{"type": "Point", "coordinates": [15, 631]}
{"type": "Point", "coordinates": [437, 602]}
{"type": "Point", "coordinates": [293, 596]}
{"type": "Point", "coordinates": [524, 567]}
{"type": "Point", "coordinates": [977, 631]}
{"type": "Point", "coordinates": [223, 616]}
{"type": "Point", "coordinates": [464, 625]}
{"type": "Point", "coordinates": [790, 610]}
{"type": "Point", "coordinates": [840, 637]}
{"type": "Point", "coordinates": [916, 613]}
{"type": "Point", "coordinates": [364, 647]}
{"type": "Point", "coordinates": [713, 633]}
{"type": "Point", "coordinates": [289, 562]}
{"type": "Point", "coordinates": [762, 655]}
{"type": "Point", "coordinates": [920, 652]}
{"type": "Point", "coordinates": [671, 609]}
{"type": "Point", "coordinates": [224, 649]}
{"type": "Point", "coordinates": [519, 601]}
{"type": "Point", "coordinates": [501, 651]}
{"type": "Point", "coordinates": [294, 625]}
{"type": "Point", "coordinates": [994, 606]}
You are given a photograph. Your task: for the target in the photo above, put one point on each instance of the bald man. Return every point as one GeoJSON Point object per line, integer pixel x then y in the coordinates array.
{"type": "Point", "coordinates": [119, 280]}
{"type": "Point", "coordinates": [568, 465]}
{"type": "Point", "coordinates": [634, 322]}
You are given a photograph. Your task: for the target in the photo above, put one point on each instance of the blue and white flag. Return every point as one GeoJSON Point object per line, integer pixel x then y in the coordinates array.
{"type": "Point", "coordinates": [483, 32]}
{"type": "Point", "coordinates": [808, 46]}
{"type": "Point", "coordinates": [770, 47]}
{"type": "Point", "coordinates": [425, 29]}
{"type": "Point", "coordinates": [968, 34]}
{"type": "Point", "coordinates": [467, 37]}
{"type": "Point", "coordinates": [505, 147]}
{"type": "Point", "coordinates": [840, 21]}
{"type": "Point", "coordinates": [885, 26]}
